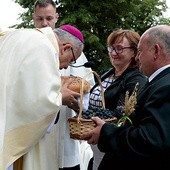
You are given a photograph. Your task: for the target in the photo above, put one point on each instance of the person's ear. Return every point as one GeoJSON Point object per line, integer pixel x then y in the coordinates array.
{"type": "Point", "coordinates": [157, 51]}
{"type": "Point", "coordinates": [67, 46]}
{"type": "Point", "coordinates": [63, 48]}
{"type": "Point", "coordinates": [56, 16]}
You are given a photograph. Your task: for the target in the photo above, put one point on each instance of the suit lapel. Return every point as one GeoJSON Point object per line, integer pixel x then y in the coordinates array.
{"type": "Point", "coordinates": [143, 90]}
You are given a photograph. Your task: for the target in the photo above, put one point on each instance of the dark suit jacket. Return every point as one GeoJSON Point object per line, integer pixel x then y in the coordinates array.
{"type": "Point", "coordinates": [117, 90]}
{"type": "Point", "coordinates": [145, 144]}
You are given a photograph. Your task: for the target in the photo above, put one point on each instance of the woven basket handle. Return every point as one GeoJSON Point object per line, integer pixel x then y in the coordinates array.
{"type": "Point", "coordinates": [81, 92]}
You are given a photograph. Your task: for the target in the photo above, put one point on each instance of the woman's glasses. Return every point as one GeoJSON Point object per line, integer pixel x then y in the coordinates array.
{"type": "Point", "coordinates": [117, 48]}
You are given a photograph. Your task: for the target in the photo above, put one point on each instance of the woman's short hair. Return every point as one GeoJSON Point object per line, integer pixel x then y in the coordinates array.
{"type": "Point", "coordinates": [133, 38]}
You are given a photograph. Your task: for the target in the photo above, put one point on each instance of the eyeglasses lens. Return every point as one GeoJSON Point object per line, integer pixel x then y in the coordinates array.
{"type": "Point", "coordinates": [117, 49]}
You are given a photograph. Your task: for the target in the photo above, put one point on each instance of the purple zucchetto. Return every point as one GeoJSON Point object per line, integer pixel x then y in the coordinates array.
{"type": "Point", "coordinates": [73, 30]}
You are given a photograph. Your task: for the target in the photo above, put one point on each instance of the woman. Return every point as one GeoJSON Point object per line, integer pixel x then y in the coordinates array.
{"type": "Point", "coordinates": [122, 50]}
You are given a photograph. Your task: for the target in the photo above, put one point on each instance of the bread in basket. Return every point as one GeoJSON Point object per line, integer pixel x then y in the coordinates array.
{"type": "Point", "coordinates": [79, 125]}
{"type": "Point", "coordinates": [75, 84]}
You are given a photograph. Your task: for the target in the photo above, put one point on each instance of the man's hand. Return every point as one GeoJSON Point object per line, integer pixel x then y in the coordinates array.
{"type": "Point", "coordinates": [69, 97]}
{"type": "Point", "coordinates": [92, 137]}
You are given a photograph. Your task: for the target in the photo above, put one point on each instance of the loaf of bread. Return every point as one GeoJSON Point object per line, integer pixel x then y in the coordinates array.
{"type": "Point", "coordinates": [76, 83]}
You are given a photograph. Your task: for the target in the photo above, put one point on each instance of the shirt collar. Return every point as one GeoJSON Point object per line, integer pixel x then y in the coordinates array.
{"type": "Point", "coordinates": [158, 71]}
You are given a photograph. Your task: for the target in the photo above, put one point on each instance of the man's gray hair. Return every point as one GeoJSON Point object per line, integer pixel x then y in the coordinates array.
{"type": "Point", "coordinates": [160, 34]}
{"type": "Point", "coordinates": [66, 37]}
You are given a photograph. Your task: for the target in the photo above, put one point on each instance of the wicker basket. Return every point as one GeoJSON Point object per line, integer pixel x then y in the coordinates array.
{"type": "Point", "coordinates": [78, 125]}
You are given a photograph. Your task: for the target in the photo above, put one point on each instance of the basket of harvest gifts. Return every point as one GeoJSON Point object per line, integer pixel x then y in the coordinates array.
{"type": "Point", "coordinates": [82, 123]}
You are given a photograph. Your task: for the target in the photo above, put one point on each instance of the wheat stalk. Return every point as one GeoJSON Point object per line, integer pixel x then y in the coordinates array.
{"type": "Point", "coordinates": [130, 103]}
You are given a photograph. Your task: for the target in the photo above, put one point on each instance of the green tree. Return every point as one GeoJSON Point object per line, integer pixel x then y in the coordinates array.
{"type": "Point", "coordinates": [97, 19]}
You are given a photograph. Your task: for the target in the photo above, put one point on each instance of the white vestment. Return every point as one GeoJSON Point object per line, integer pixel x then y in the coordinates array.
{"type": "Point", "coordinates": [59, 150]}
{"type": "Point", "coordinates": [29, 94]}
{"type": "Point", "coordinates": [69, 153]}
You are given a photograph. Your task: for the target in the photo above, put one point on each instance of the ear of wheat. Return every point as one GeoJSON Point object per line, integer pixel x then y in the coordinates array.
{"type": "Point", "coordinates": [130, 103]}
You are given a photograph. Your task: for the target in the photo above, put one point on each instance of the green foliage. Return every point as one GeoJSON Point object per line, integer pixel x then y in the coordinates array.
{"type": "Point", "coordinates": [97, 20]}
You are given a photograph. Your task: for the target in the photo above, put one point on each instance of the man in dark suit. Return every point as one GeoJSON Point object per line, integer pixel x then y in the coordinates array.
{"type": "Point", "coordinates": [146, 143]}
